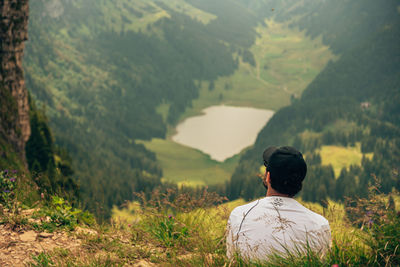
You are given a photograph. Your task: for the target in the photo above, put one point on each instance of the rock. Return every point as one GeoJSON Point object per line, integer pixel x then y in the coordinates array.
{"type": "Point", "coordinates": [86, 231]}
{"type": "Point", "coordinates": [31, 220]}
{"type": "Point", "coordinates": [29, 236]}
{"type": "Point", "coordinates": [45, 235]}
{"type": "Point", "coordinates": [28, 212]}
{"type": "Point", "coordinates": [144, 263]}
{"type": "Point", "coordinates": [13, 33]}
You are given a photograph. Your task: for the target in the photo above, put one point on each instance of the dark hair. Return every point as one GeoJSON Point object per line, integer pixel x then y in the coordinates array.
{"type": "Point", "coordinates": [287, 170]}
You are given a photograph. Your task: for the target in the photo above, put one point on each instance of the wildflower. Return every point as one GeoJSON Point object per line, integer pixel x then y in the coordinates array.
{"type": "Point", "coordinates": [42, 196]}
{"type": "Point", "coordinates": [14, 171]}
{"type": "Point", "coordinates": [335, 265]}
{"type": "Point", "coordinates": [170, 216]}
{"type": "Point", "coordinates": [12, 179]}
{"type": "Point", "coordinates": [129, 225]}
{"type": "Point", "coordinates": [6, 191]}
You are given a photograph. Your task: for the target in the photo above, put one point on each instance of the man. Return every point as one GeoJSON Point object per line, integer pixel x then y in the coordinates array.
{"type": "Point", "coordinates": [277, 224]}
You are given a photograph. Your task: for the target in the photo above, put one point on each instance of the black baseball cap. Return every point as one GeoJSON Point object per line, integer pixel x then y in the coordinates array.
{"type": "Point", "coordinates": [287, 168]}
{"type": "Point", "coordinates": [285, 153]}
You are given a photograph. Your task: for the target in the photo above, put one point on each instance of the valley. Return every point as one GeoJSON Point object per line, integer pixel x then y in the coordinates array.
{"type": "Point", "coordinates": [286, 61]}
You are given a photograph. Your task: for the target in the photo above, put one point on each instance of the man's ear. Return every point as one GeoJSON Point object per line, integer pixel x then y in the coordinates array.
{"type": "Point", "coordinates": [268, 178]}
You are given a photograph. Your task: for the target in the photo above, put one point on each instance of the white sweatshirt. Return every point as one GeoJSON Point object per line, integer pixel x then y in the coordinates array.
{"type": "Point", "coordinates": [275, 225]}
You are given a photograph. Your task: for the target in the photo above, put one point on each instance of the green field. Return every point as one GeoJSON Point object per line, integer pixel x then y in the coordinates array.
{"type": "Point", "coordinates": [188, 166]}
{"type": "Point", "coordinates": [184, 165]}
{"type": "Point", "coordinates": [342, 157]}
{"type": "Point", "coordinates": [142, 13]}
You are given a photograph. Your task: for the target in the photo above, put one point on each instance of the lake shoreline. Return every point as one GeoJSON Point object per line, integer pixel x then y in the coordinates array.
{"type": "Point", "coordinates": [222, 131]}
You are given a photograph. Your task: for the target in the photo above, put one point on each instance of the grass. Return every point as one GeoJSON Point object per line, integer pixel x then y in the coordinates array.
{"type": "Point", "coordinates": [187, 229]}
{"type": "Point", "coordinates": [182, 164]}
{"type": "Point", "coordinates": [148, 12]}
{"type": "Point", "coordinates": [342, 157]}
{"type": "Point", "coordinates": [191, 11]}
{"type": "Point", "coordinates": [353, 242]}
{"type": "Point", "coordinates": [130, 213]}
{"type": "Point", "coordinates": [342, 125]}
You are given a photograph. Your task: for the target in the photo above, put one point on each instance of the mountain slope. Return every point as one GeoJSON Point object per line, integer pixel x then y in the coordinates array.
{"type": "Point", "coordinates": [102, 68]}
{"type": "Point", "coordinates": [360, 90]}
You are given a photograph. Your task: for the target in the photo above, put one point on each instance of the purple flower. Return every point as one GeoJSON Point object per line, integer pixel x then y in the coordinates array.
{"type": "Point", "coordinates": [12, 179]}
{"type": "Point", "coordinates": [6, 191]}
{"type": "Point", "coordinates": [14, 171]}
{"type": "Point", "coordinates": [170, 216]}
{"type": "Point", "coordinates": [370, 222]}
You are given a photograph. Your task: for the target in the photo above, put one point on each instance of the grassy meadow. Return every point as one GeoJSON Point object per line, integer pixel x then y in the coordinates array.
{"type": "Point", "coordinates": [185, 165]}
{"type": "Point", "coordinates": [191, 167]}
{"type": "Point", "coordinates": [132, 213]}
{"type": "Point", "coordinates": [342, 157]}
{"type": "Point", "coordinates": [138, 14]}
{"type": "Point", "coordinates": [354, 238]}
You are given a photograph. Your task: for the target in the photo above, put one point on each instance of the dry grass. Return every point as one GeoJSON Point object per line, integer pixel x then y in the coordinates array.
{"type": "Point", "coordinates": [188, 229]}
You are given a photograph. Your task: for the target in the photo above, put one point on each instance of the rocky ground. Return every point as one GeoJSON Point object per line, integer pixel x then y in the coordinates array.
{"type": "Point", "coordinates": [18, 247]}
{"type": "Point", "coordinates": [21, 244]}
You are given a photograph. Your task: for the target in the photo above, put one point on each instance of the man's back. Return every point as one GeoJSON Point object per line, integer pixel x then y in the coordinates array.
{"type": "Point", "coordinates": [275, 224]}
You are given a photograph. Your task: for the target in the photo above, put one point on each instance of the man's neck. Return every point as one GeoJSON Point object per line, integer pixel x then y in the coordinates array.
{"type": "Point", "coordinates": [273, 193]}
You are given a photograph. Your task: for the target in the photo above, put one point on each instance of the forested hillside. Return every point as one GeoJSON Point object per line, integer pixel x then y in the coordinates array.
{"type": "Point", "coordinates": [108, 73]}
{"type": "Point", "coordinates": [354, 100]}
{"type": "Point", "coordinates": [101, 69]}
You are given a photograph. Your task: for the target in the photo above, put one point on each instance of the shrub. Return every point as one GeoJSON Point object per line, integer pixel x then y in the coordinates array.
{"type": "Point", "coordinates": [168, 230]}
{"type": "Point", "coordinates": [41, 260]}
{"type": "Point", "coordinates": [62, 214]}
{"type": "Point", "coordinates": [377, 217]}
{"type": "Point", "coordinates": [7, 187]}
{"type": "Point", "coordinates": [179, 219]}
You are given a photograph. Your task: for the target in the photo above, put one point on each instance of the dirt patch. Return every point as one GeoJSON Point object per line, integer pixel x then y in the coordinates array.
{"type": "Point", "coordinates": [18, 247]}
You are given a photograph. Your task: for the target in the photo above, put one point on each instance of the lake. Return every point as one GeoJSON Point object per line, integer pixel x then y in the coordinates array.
{"type": "Point", "coordinates": [222, 131]}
